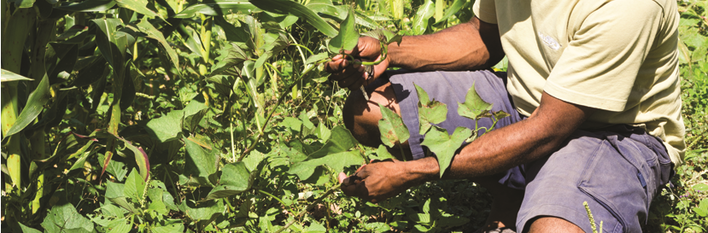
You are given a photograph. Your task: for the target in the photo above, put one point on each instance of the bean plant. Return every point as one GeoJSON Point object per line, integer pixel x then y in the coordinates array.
{"type": "Point", "coordinates": [217, 116]}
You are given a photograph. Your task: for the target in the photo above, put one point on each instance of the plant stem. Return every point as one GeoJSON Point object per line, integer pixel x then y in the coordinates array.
{"type": "Point", "coordinates": [270, 115]}
{"type": "Point", "coordinates": [313, 204]}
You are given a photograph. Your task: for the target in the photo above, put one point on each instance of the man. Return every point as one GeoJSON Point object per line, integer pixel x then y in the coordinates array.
{"type": "Point", "coordinates": [593, 90]}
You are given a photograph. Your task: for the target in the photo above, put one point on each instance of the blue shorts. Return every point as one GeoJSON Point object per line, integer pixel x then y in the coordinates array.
{"type": "Point", "coordinates": [617, 170]}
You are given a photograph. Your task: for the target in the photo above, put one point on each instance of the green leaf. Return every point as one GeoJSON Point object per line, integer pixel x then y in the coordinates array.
{"type": "Point", "coordinates": [383, 154]}
{"type": "Point", "coordinates": [9, 76]}
{"type": "Point", "coordinates": [174, 227]}
{"type": "Point", "coordinates": [65, 218]}
{"type": "Point", "coordinates": [23, 3]}
{"type": "Point", "coordinates": [217, 8]}
{"type": "Point", "coordinates": [294, 8]}
{"type": "Point", "coordinates": [204, 211]}
{"type": "Point", "coordinates": [445, 145]}
{"type": "Point", "coordinates": [119, 225]}
{"type": "Point", "coordinates": [429, 111]}
{"type": "Point", "coordinates": [340, 140]}
{"type": "Point", "coordinates": [315, 227]}
{"type": "Point", "coordinates": [335, 154]}
{"type": "Point", "coordinates": [138, 6]}
{"type": "Point", "coordinates": [316, 58]}
{"type": "Point", "coordinates": [451, 10]}
{"type": "Point", "coordinates": [167, 127]}
{"type": "Point", "coordinates": [88, 6]}
{"type": "Point", "coordinates": [702, 209]}
{"type": "Point", "coordinates": [200, 162]}
{"type": "Point", "coordinates": [348, 37]}
{"type": "Point", "coordinates": [392, 128]}
{"type": "Point", "coordinates": [111, 48]}
{"type": "Point", "coordinates": [233, 33]}
{"type": "Point", "coordinates": [235, 179]}
{"type": "Point", "coordinates": [84, 152]}
{"type": "Point", "coordinates": [700, 187]}
{"type": "Point", "coordinates": [229, 57]}
{"type": "Point", "coordinates": [141, 158]}
{"type": "Point", "coordinates": [384, 35]}
{"type": "Point", "coordinates": [420, 21]}
{"type": "Point", "coordinates": [193, 114]}
{"type": "Point", "coordinates": [146, 27]}
{"type": "Point", "coordinates": [35, 104]}
{"type": "Point", "coordinates": [26, 229]}
{"type": "Point", "coordinates": [134, 186]}
{"type": "Point", "coordinates": [474, 107]}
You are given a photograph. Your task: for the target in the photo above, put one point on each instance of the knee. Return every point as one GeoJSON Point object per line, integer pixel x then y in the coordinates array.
{"type": "Point", "coordinates": [361, 118]}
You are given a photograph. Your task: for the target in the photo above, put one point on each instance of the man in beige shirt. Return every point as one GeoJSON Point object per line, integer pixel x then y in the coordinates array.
{"type": "Point", "coordinates": [593, 90]}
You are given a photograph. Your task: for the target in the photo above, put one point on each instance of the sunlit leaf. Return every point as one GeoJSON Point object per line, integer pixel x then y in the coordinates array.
{"type": "Point", "coordinates": [8, 76]}
{"type": "Point", "coordinates": [134, 186]}
{"type": "Point", "coordinates": [420, 21]}
{"type": "Point", "coordinates": [451, 10]}
{"type": "Point", "coordinates": [474, 107]}
{"type": "Point", "coordinates": [200, 162]}
{"type": "Point", "coordinates": [235, 178]}
{"type": "Point", "coordinates": [217, 8]}
{"type": "Point", "coordinates": [65, 218]}
{"type": "Point", "coordinates": [348, 37]}
{"type": "Point", "coordinates": [138, 6]}
{"type": "Point", "coordinates": [445, 145]}
{"type": "Point", "coordinates": [167, 127]}
{"type": "Point", "coordinates": [294, 8]}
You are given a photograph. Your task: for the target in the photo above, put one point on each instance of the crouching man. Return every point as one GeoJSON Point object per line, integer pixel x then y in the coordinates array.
{"type": "Point", "coordinates": [593, 93]}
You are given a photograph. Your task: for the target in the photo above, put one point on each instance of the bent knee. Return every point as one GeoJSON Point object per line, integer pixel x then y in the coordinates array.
{"type": "Point", "coordinates": [361, 117]}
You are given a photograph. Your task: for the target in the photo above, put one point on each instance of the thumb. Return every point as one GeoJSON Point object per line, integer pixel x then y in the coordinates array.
{"type": "Point", "coordinates": [341, 177]}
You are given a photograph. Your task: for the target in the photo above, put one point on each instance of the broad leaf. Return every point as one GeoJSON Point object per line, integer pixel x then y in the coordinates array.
{"type": "Point", "coordinates": [474, 107]}
{"type": "Point", "coordinates": [217, 8]}
{"type": "Point", "coordinates": [235, 178]}
{"type": "Point", "coordinates": [200, 162]}
{"type": "Point", "coordinates": [134, 186]}
{"type": "Point", "coordinates": [383, 154]}
{"type": "Point", "coordinates": [294, 8]}
{"type": "Point", "coordinates": [445, 145]}
{"type": "Point", "coordinates": [429, 111]}
{"type": "Point", "coordinates": [392, 128]}
{"type": "Point", "coordinates": [340, 140]}
{"type": "Point", "coordinates": [65, 218]}
{"type": "Point", "coordinates": [167, 127]}
{"type": "Point", "coordinates": [348, 37]}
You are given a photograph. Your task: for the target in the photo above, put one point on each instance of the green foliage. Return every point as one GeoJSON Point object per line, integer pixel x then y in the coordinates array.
{"type": "Point", "coordinates": [174, 116]}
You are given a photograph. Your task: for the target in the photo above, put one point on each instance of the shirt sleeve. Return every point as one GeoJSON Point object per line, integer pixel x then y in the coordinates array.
{"type": "Point", "coordinates": [485, 11]}
{"type": "Point", "coordinates": [604, 54]}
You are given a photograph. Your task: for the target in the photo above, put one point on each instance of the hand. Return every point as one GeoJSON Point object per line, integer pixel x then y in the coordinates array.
{"type": "Point", "coordinates": [377, 181]}
{"type": "Point", "coordinates": [351, 74]}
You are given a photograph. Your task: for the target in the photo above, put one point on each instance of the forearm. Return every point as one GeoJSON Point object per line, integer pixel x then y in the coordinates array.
{"type": "Point", "coordinates": [467, 46]}
{"type": "Point", "coordinates": [519, 143]}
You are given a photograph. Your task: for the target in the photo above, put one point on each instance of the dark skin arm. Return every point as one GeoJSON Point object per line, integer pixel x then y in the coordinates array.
{"type": "Point", "coordinates": [525, 141]}
{"type": "Point", "coordinates": [472, 45]}
{"type": "Point", "coordinates": [467, 46]}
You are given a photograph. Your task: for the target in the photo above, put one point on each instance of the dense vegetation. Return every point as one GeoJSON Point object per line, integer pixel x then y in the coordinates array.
{"type": "Point", "coordinates": [174, 115]}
